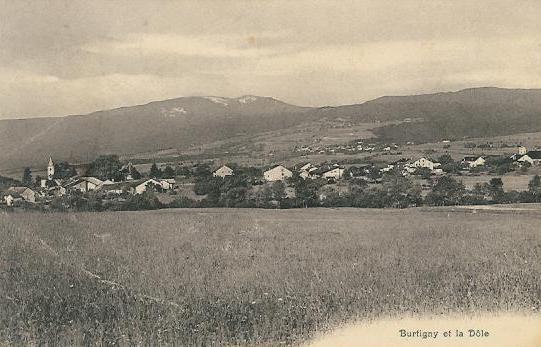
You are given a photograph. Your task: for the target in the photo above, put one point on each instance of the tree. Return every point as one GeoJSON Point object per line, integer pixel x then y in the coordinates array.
{"type": "Point", "coordinates": [135, 174]}
{"type": "Point", "coordinates": [448, 164]}
{"type": "Point", "coordinates": [307, 191]}
{"type": "Point", "coordinates": [534, 189]}
{"type": "Point", "coordinates": [27, 176]}
{"type": "Point", "coordinates": [445, 159]}
{"type": "Point", "coordinates": [37, 181]}
{"type": "Point", "coordinates": [168, 172]}
{"type": "Point", "coordinates": [202, 169]}
{"type": "Point", "coordinates": [106, 167]}
{"type": "Point", "coordinates": [495, 188]}
{"type": "Point", "coordinates": [424, 172]}
{"type": "Point", "coordinates": [155, 172]}
{"type": "Point", "coordinates": [400, 191]}
{"type": "Point", "coordinates": [63, 170]}
{"type": "Point", "coordinates": [447, 191]}
{"type": "Point", "coordinates": [534, 186]}
{"type": "Point", "coordinates": [145, 201]}
{"type": "Point", "coordinates": [278, 190]}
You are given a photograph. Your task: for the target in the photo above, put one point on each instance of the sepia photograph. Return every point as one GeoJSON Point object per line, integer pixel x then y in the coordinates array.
{"type": "Point", "coordinates": [270, 173]}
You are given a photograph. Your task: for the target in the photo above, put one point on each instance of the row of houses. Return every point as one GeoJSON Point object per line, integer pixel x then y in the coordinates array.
{"type": "Point", "coordinates": [280, 172]}
{"type": "Point", "coordinates": [530, 157]}
{"type": "Point", "coordinates": [19, 194]}
{"type": "Point", "coordinates": [351, 147]}
{"type": "Point", "coordinates": [521, 157]}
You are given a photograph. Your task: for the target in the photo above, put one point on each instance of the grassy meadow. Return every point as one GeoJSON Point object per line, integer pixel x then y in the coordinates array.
{"type": "Point", "coordinates": [245, 277]}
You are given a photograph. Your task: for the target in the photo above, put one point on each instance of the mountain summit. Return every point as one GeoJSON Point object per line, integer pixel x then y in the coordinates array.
{"type": "Point", "coordinates": [184, 122]}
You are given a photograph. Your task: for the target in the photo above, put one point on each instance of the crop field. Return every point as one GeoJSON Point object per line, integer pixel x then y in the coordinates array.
{"type": "Point", "coordinates": [246, 277]}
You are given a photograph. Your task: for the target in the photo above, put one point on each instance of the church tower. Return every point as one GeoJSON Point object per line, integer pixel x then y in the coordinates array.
{"type": "Point", "coordinates": [50, 169]}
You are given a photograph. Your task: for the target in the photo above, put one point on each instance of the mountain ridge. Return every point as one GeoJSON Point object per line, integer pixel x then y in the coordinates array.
{"type": "Point", "coordinates": [185, 122]}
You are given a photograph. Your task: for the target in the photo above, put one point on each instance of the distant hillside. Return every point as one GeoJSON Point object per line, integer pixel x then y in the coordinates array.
{"type": "Point", "coordinates": [191, 121]}
{"type": "Point", "coordinates": [176, 123]}
{"type": "Point", "coordinates": [478, 112]}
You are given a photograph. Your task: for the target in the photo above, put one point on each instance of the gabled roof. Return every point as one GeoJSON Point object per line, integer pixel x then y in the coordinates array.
{"type": "Point", "coordinates": [534, 154]}
{"type": "Point", "coordinates": [145, 181]}
{"type": "Point", "coordinates": [277, 167]}
{"type": "Point", "coordinates": [306, 166]}
{"type": "Point", "coordinates": [18, 190]}
{"type": "Point", "coordinates": [93, 180]}
{"type": "Point", "coordinates": [223, 167]}
{"type": "Point", "coordinates": [472, 158]}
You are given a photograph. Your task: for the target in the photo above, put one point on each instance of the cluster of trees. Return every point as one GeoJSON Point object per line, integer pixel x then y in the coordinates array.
{"type": "Point", "coordinates": [156, 172]}
{"type": "Point", "coordinates": [449, 191]}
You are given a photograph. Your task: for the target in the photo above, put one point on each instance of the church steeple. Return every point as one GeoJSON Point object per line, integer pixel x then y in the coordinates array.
{"type": "Point", "coordinates": [50, 169]}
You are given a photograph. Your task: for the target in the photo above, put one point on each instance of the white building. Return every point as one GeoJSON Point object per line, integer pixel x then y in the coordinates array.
{"type": "Point", "coordinates": [335, 173]}
{"type": "Point", "coordinates": [85, 184]}
{"type": "Point", "coordinates": [306, 167]}
{"type": "Point", "coordinates": [143, 186]}
{"type": "Point", "coordinates": [532, 157]}
{"type": "Point", "coordinates": [223, 172]}
{"type": "Point", "coordinates": [167, 183]}
{"type": "Point", "coordinates": [423, 162]}
{"type": "Point", "coordinates": [19, 193]}
{"type": "Point", "coordinates": [474, 161]}
{"type": "Point", "coordinates": [277, 173]}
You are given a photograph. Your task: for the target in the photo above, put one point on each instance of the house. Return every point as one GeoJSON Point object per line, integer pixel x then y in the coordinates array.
{"type": "Point", "coordinates": [532, 157]}
{"type": "Point", "coordinates": [167, 183]}
{"type": "Point", "coordinates": [306, 167]}
{"type": "Point", "coordinates": [388, 168]}
{"type": "Point", "coordinates": [142, 187]}
{"type": "Point", "coordinates": [304, 174]}
{"type": "Point", "coordinates": [85, 184]}
{"type": "Point", "coordinates": [335, 173]}
{"type": "Point", "coordinates": [119, 187]}
{"type": "Point", "coordinates": [223, 172]}
{"type": "Point", "coordinates": [12, 199]}
{"type": "Point", "coordinates": [423, 162]}
{"type": "Point", "coordinates": [474, 161]}
{"type": "Point", "coordinates": [56, 191]}
{"type": "Point", "coordinates": [522, 150]}
{"type": "Point", "coordinates": [25, 193]}
{"type": "Point", "coordinates": [309, 172]}
{"type": "Point", "coordinates": [277, 173]}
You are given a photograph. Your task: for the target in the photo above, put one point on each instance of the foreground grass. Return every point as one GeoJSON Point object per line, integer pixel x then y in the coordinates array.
{"type": "Point", "coordinates": [234, 277]}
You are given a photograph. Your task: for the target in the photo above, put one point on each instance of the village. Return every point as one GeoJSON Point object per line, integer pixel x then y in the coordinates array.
{"type": "Point", "coordinates": [109, 184]}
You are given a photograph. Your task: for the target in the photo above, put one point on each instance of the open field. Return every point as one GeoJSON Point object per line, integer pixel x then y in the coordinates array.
{"type": "Point", "coordinates": [230, 277]}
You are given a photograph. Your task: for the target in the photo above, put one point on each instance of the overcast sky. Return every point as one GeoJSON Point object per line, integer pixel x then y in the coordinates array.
{"type": "Point", "coordinates": [74, 57]}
